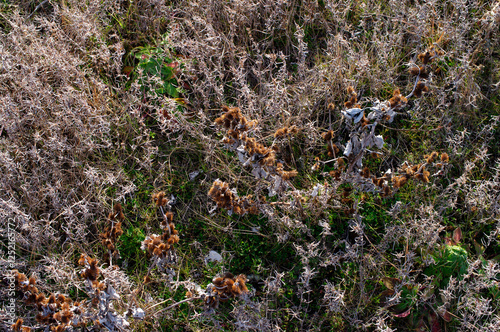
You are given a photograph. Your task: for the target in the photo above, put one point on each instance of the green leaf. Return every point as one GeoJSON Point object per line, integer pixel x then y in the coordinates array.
{"type": "Point", "coordinates": [171, 90]}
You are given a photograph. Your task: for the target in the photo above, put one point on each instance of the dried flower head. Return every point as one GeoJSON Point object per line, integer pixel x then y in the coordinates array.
{"type": "Point", "coordinates": [159, 199]}
{"type": "Point", "coordinates": [112, 232]}
{"type": "Point", "coordinates": [329, 135]}
{"type": "Point", "coordinates": [399, 181]}
{"type": "Point", "coordinates": [397, 101]}
{"type": "Point", "coordinates": [365, 172]}
{"type": "Point", "coordinates": [420, 89]}
{"type": "Point", "coordinates": [91, 271]}
{"type": "Point", "coordinates": [431, 157]}
{"type": "Point", "coordinates": [286, 131]}
{"type": "Point", "coordinates": [445, 158]}
{"type": "Point", "coordinates": [353, 99]}
{"type": "Point", "coordinates": [229, 200]}
{"type": "Point", "coordinates": [333, 150]}
{"type": "Point", "coordinates": [223, 288]}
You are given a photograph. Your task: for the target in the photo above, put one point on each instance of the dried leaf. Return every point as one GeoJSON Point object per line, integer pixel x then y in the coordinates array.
{"type": "Point", "coordinates": [404, 314]}
{"type": "Point", "coordinates": [379, 141]}
{"type": "Point", "coordinates": [355, 114]}
{"type": "Point", "coordinates": [113, 295]}
{"type": "Point", "coordinates": [390, 282]}
{"type": "Point", "coordinates": [138, 313]}
{"type": "Point", "coordinates": [385, 294]}
{"type": "Point", "coordinates": [241, 154]}
{"type": "Point", "coordinates": [479, 248]}
{"type": "Point", "coordinates": [348, 149]}
{"type": "Point", "coordinates": [434, 322]}
{"type": "Point", "coordinates": [193, 175]}
{"type": "Point", "coordinates": [315, 191]}
{"type": "Point", "coordinates": [445, 314]}
{"type": "Point", "coordinates": [457, 235]}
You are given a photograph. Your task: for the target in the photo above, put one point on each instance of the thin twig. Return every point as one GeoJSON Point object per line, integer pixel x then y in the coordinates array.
{"type": "Point", "coordinates": [173, 305]}
{"type": "Point", "coordinates": [38, 7]}
{"type": "Point", "coordinates": [414, 129]}
{"type": "Point", "coordinates": [388, 261]}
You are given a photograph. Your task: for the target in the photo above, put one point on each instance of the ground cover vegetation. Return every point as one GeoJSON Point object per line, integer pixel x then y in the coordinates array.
{"type": "Point", "coordinates": [250, 165]}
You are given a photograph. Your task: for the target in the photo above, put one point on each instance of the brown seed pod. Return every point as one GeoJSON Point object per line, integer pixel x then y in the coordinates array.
{"type": "Point", "coordinates": [420, 89]}
{"type": "Point", "coordinates": [52, 299]}
{"type": "Point", "coordinates": [335, 174]}
{"type": "Point", "coordinates": [378, 181]}
{"type": "Point", "coordinates": [32, 280]}
{"type": "Point", "coordinates": [365, 172]}
{"type": "Point", "coordinates": [414, 71]}
{"type": "Point", "coordinates": [17, 325]}
{"type": "Point", "coordinates": [59, 328]}
{"type": "Point", "coordinates": [430, 158]}
{"type": "Point", "coordinates": [66, 316]}
{"type": "Point", "coordinates": [341, 163]}
{"type": "Point", "coordinates": [219, 282]}
{"type": "Point", "coordinates": [328, 135]}
{"type": "Point", "coordinates": [118, 212]}
{"type": "Point", "coordinates": [287, 175]}
{"type": "Point", "coordinates": [281, 132]}
{"type": "Point", "coordinates": [426, 175]}
{"type": "Point", "coordinates": [399, 181]}
{"type": "Point", "coordinates": [40, 299]}
{"type": "Point", "coordinates": [350, 90]}
{"type": "Point", "coordinates": [353, 98]}
{"type": "Point", "coordinates": [424, 72]}
{"type": "Point", "coordinates": [386, 191]}
{"type": "Point", "coordinates": [425, 57]}
{"type": "Point", "coordinates": [333, 150]}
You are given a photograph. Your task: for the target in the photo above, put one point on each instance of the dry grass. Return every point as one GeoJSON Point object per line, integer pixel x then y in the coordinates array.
{"type": "Point", "coordinates": [338, 224]}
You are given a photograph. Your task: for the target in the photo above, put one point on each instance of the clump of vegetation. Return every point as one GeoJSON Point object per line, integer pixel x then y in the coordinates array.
{"type": "Point", "coordinates": [113, 232]}
{"type": "Point", "coordinates": [340, 158]}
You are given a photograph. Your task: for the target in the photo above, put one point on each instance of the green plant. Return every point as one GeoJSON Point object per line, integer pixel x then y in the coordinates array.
{"type": "Point", "coordinates": [450, 261]}
{"type": "Point", "coordinates": [157, 71]}
{"type": "Point", "coordinates": [129, 247]}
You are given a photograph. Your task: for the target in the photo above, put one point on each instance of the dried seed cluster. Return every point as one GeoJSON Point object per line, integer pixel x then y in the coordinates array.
{"type": "Point", "coordinates": [362, 126]}
{"type": "Point", "coordinates": [234, 121]}
{"type": "Point", "coordinates": [407, 172]}
{"type": "Point", "coordinates": [101, 293]}
{"type": "Point", "coordinates": [55, 311]}
{"type": "Point", "coordinates": [18, 326]}
{"type": "Point", "coordinates": [237, 127]}
{"type": "Point", "coordinates": [286, 131]}
{"type": "Point", "coordinates": [223, 288]}
{"type": "Point", "coordinates": [59, 313]}
{"type": "Point", "coordinates": [333, 150]}
{"type": "Point", "coordinates": [285, 175]}
{"type": "Point", "coordinates": [257, 152]}
{"type": "Point", "coordinates": [397, 101]}
{"type": "Point", "coordinates": [161, 247]}
{"type": "Point", "coordinates": [423, 71]}
{"type": "Point", "coordinates": [250, 151]}
{"type": "Point", "coordinates": [229, 200]}
{"type": "Point", "coordinates": [114, 231]}
{"type": "Point", "coordinates": [382, 183]}
{"type": "Point", "coordinates": [336, 174]}
{"type": "Point", "coordinates": [418, 172]}
{"type": "Point", "coordinates": [91, 272]}
{"type": "Point", "coordinates": [353, 98]}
